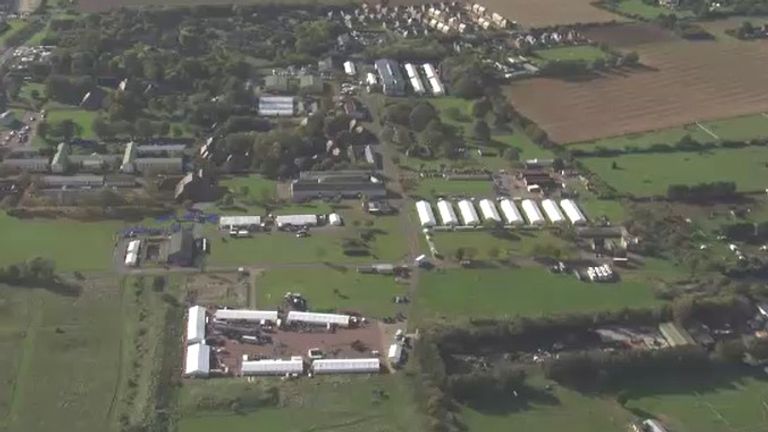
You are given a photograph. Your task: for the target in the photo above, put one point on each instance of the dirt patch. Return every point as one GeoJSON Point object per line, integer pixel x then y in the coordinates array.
{"type": "Point", "coordinates": [226, 289]}
{"type": "Point", "coordinates": [541, 13]}
{"type": "Point", "coordinates": [630, 34]}
{"type": "Point", "coordinates": [683, 82]}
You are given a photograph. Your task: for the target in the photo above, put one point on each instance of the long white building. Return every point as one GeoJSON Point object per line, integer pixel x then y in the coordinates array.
{"type": "Point", "coordinates": [330, 366]}
{"type": "Point", "coordinates": [245, 315]}
{"type": "Point", "coordinates": [315, 318]}
{"type": "Point", "coordinates": [552, 211]}
{"type": "Point", "coordinates": [232, 222]}
{"type": "Point", "coordinates": [414, 78]}
{"type": "Point", "coordinates": [273, 367]}
{"type": "Point", "coordinates": [447, 215]}
{"type": "Point", "coordinates": [511, 214]}
{"type": "Point", "coordinates": [468, 213]}
{"type": "Point", "coordinates": [296, 220]}
{"type": "Point", "coordinates": [426, 215]}
{"type": "Point", "coordinates": [573, 212]}
{"type": "Point", "coordinates": [195, 324]}
{"type": "Point", "coordinates": [198, 362]}
{"type": "Point", "coordinates": [488, 209]}
{"type": "Point", "coordinates": [532, 212]}
{"type": "Point", "coordinates": [435, 84]}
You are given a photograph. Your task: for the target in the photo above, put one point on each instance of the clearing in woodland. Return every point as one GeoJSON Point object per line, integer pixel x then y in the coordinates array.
{"type": "Point", "coordinates": [683, 82]}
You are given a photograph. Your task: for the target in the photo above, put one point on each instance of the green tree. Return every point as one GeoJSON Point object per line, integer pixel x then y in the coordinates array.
{"type": "Point", "coordinates": [421, 115]}
{"type": "Point", "coordinates": [481, 132]}
{"type": "Point", "coordinates": [481, 108]}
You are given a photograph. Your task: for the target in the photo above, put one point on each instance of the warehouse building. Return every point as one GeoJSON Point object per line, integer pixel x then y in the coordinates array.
{"type": "Point", "coordinates": [277, 106]}
{"type": "Point", "coordinates": [32, 165]}
{"type": "Point", "coordinates": [315, 318]}
{"type": "Point", "coordinates": [195, 324]}
{"type": "Point", "coordinates": [532, 212]}
{"type": "Point", "coordinates": [488, 209]}
{"type": "Point", "coordinates": [447, 215]}
{"type": "Point", "coordinates": [198, 364]}
{"type": "Point", "coordinates": [331, 366]}
{"type": "Point", "coordinates": [573, 212]}
{"type": "Point", "coordinates": [345, 184]}
{"type": "Point", "coordinates": [229, 223]}
{"type": "Point", "coordinates": [552, 211]}
{"type": "Point", "coordinates": [468, 213]}
{"type": "Point", "coordinates": [511, 214]}
{"type": "Point", "coordinates": [426, 215]}
{"type": "Point", "coordinates": [392, 82]}
{"type": "Point", "coordinates": [245, 315]}
{"type": "Point", "coordinates": [273, 367]}
{"type": "Point", "coordinates": [160, 165]}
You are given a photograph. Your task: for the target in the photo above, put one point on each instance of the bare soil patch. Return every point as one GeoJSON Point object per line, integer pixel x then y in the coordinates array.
{"type": "Point", "coordinates": [683, 82]}
{"type": "Point", "coordinates": [541, 13]}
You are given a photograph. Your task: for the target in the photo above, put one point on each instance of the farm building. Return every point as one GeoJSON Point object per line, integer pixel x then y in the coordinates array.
{"type": "Point", "coordinates": [511, 214]}
{"type": "Point", "coordinates": [552, 211]}
{"type": "Point", "coordinates": [392, 82]}
{"type": "Point", "coordinates": [35, 164]}
{"type": "Point", "coordinates": [573, 212]}
{"type": "Point", "coordinates": [335, 220]}
{"type": "Point", "coordinates": [164, 165]}
{"type": "Point", "coordinates": [277, 106]}
{"type": "Point", "coordinates": [296, 220]}
{"type": "Point", "coordinates": [675, 335]}
{"type": "Point", "coordinates": [532, 212]}
{"type": "Point", "coordinates": [436, 86]}
{"type": "Point", "coordinates": [76, 181]}
{"type": "Point", "coordinates": [538, 180]}
{"type": "Point", "coordinates": [273, 367]}
{"type": "Point", "coordinates": [468, 213]}
{"type": "Point", "coordinates": [245, 315]}
{"type": "Point", "coordinates": [349, 68]}
{"type": "Point", "coordinates": [181, 248]}
{"type": "Point", "coordinates": [318, 318]}
{"type": "Point", "coordinates": [346, 184]}
{"type": "Point", "coordinates": [161, 150]}
{"type": "Point", "coordinates": [413, 77]}
{"type": "Point", "coordinates": [128, 157]}
{"type": "Point", "coordinates": [198, 363]}
{"type": "Point", "coordinates": [653, 425]}
{"type": "Point", "coordinates": [395, 354]}
{"type": "Point", "coordinates": [310, 84]}
{"type": "Point", "coordinates": [426, 215]}
{"type": "Point", "coordinates": [195, 324]}
{"type": "Point", "coordinates": [229, 223]}
{"type": "Point", "coordinates": [132, 253]}
{"type": "Point", "coordinates": [447, 215]}
{"type": "Point", "coordinates": [330, 366]}
{"type": "Point", "coordinates": [94, 162]}
{"type": "Point", "coordinates": [196, 186]}
{"type": "Point", "coordinates": [488, 209]}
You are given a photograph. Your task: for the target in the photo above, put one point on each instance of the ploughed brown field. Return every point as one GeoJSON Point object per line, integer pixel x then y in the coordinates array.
{"type": "Point", "coordinates": [541, 13]}
{"type": "Point", "coordinates": [683, 82]}
{"type": "Point", "coordinates": [105, 5]}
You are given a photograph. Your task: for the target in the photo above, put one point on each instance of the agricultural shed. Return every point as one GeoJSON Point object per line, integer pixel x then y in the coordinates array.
{"type": "Point", "coordinates": [553, 211]}
{"type": "Point", "coordinates": [511, 213]}
{"type": "Point", "coordinates": [447, 215]}
{"type": "Point", "coordinates": [195, 324]}
{"type": "Point", "coordinates": [573, 212]}
{"type": "Point", "coordinates": [488, 209]}
{"type": "Point", "coordinates": [198, 362]}
{"type": "Point", "coordinates": [296, 220]}
{"type": "Point", "coordinates": [231, 222]}
{"type": "Point", "coordinates": [318, 318]}
{"type": "Point", "coordinates": [532, 212]}
{"type": "Point", "coordinates": [395, 354]}
{"type": "Point", "coordinates": [392, 82]}
{"type": "Point", "coordinates": [245, 315]}
{"type": "Point", "coordinates": [468, 213]}
{"type": "Point", "coordinates": [413, 77]}
{"type": "Point", "coordinates": [426, 215]}
{"type": "Point", "coordinates": [329, 366]}
{"type": "Point", "coordinates": [273, 367]}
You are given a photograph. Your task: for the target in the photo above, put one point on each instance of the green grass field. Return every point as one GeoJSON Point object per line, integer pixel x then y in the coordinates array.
{"type": "Point", "coordinates": [523, 291]}
{"type": "Point", "coordinates": [331, 289]}
{"type": "Point", "coordinates": [60, 240]}
{"type": "Point", "coordinates": [734, 129]}
{"type": "Point", "coordinates": [587, 53]}
{"type": "Point", "coordinates": [746, 167]}
{"type": "Point", "coordinates": [439, 187]}
{"type": "Point", "coordinates": [341, 403]}
{"type": "Point", "coordinates": [83, 120]}
{"type": "Point", "coordinates": [60, 359]}
{"type": "Point", "coordinates": [16, 26]}
{"type": "Point", "coordinates": [491, 246]}
{"type": "Point", "coordinates": [647, 11]}
{"type": "Point", "coordinates": [724, 403]}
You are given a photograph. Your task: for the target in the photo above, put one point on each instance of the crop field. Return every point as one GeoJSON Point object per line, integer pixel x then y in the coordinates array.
{"type": "Point", "coordinates": [344, 403]}
{"type": "Point", "coordinates": [341, 289]}
{"type": "Point", "coordinates": [104, 5]}
{"type": "Point", "coordinates": [583, 52]}
{"type": "Point", "coordinates": [492, 246]}
{"type": "Point", "coordinates": [682, 83]}
{"type": "Point", "coordinates": [60, 241]}
{"type": "Point", "coordinates": [439, 187]}
{"type": "Point", "coordinates": [523, 291]}
{"type": "Point", "coordinates": [724, 403]}
{"type": "Point", "coordinates": [545, 13]}
{"type": "Point", "coordinates": [745, 166]}
{"type": "Point", "coordinates": [60, 359]}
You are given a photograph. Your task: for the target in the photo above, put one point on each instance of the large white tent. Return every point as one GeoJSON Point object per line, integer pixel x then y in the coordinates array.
{"type": "Point", "coordinates": [511, 213]}
{"type": "Point", "coordinates": [318, 318]}
{"type": "Point", "coordinates": [447, 215]}
{"type": "Point", "coordinates": [273, 367]}
{"type": "Point", "coordinates": [468, 212]}
{"type": "Point", "coordinates": [195, 324]}
{"type": "Point", "coordinates": [573, 212]}
{"type": "Point", "coordinates": [532, 212]}
{"type": "Point", "coordinates": [426, 215]}
{"type": "Point", "coordinates": [198, 362]}
{"type": "Point", "coordinates": [362, 365]}
{"type": "Point", "coordinates": [488, 209]}
{"type": "Point", "coordinates": [552, 211]}
{"type": "Point", "coordinates": [245, 315]}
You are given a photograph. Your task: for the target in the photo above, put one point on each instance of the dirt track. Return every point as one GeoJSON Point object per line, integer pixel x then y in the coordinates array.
{"type": "Point", "coordinates": [684, 82]}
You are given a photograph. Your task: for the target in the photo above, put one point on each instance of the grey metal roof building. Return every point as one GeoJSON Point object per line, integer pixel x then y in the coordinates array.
{"type": "Point", "coordinates": [347, 184]}
{"type": "Point", "coordinates": [170, 165]}
{"type": "Point", "coordinates": [36, 164]}
{"type": "Point", "coordinates": [392, 81]}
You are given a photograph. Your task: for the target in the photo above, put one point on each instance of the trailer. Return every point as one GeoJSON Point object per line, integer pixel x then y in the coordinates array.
{"type": "Point", "coordinates": [552, 211]}
{"type": "Point", "coordinates": [488, 209]}
{"type": "Point", "coordinates": [532, 212]}
{"type": "Point", "coordinates": [511, 214]}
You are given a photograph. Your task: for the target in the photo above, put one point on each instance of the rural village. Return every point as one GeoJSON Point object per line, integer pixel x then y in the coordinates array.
{"type": "Point", "coordinates": [406, 215]}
